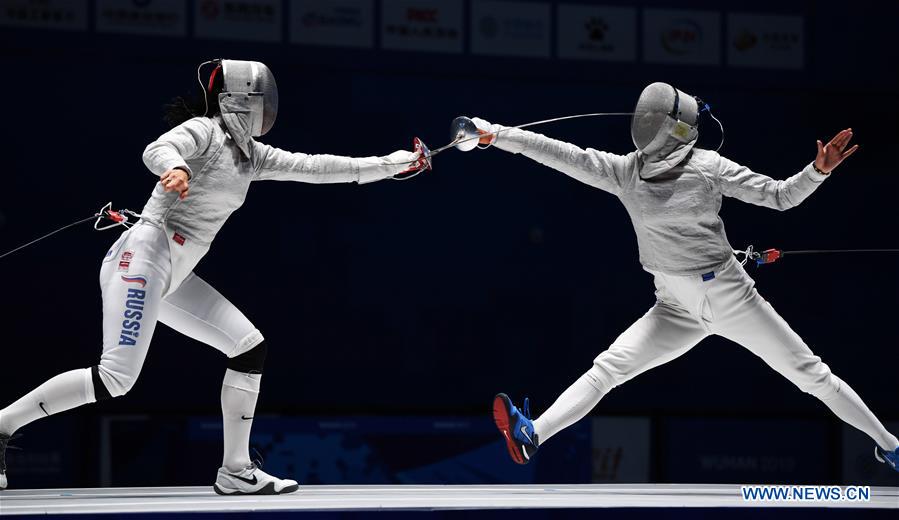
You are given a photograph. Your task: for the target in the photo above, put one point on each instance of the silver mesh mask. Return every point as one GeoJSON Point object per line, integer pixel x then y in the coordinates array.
{"type": "Point", "coordinates": [663, 114]}
{"type": "Point", "coordinates": [249, 87]}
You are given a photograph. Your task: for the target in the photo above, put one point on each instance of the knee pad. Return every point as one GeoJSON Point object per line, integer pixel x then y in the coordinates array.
{"type": "Point", "coordinates": [120, 385]}
{"type": "Point", "coordinates": [251, 361]}
{"type": "Point", "coordinates": [101, 393]}
{"type": "Point", "coordinates": [111, 383]}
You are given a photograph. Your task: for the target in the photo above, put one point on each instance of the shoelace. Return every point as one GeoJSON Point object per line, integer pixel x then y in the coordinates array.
{"type": "Point", "coordinates": [526, 412]}
{"type": "Point", "coordinates": [257, 462]}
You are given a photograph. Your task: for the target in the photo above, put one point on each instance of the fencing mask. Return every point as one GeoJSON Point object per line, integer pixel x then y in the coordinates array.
{"type": "Point", "coordinates": [665, 126]}
{"type": "Point", "coordinates": [248, 101]}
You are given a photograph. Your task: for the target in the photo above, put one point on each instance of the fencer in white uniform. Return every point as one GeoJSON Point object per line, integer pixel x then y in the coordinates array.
{"type": "Point", "coordinates": [672, 193]}
{"type": "Point", "coordinates": [206, 165]}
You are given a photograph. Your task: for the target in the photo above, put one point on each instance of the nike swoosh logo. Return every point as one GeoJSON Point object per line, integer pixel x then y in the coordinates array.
{"type": "Point", "coordinates": [245, 418]}
{"type": "Point", "coordinates": [41, 404]}
{"type": "Point", "coordinates": [248, 481]}
{"type": "Point", "coordinates": [524, 432]}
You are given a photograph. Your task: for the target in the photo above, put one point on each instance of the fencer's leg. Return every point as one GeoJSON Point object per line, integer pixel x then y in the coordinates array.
{"type": "Point", "coordinates": [238, 475]}
{"type": "Point", "coordinates": [132, 300]}
{"type": "Point", "coordinates": [130, 305]}
{"type": "Point", "coordinates": [197, 310]}
{"type": "Point", "coordinates": [849, 406]}
{"type": "Point", "coordinates": [58, 394]}
{"type": "Point", "coordinates": [755, 324]}
{"type": "Point", "coordinates": [240, 389]}
{"type": "Point", "coordinates": [662, 334]}
{"type": "Point", "coordinates": [200, 312]}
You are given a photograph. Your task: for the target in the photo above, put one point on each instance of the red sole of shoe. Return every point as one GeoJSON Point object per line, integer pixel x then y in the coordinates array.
{"type": "Point", "coordinates": [501, 419]}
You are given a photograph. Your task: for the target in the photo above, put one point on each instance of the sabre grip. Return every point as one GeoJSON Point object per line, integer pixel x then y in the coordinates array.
{"type": "Point", "coordinates": [422, 164]}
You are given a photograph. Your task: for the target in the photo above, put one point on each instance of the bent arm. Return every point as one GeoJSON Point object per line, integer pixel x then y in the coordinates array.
{"type": "Point", "coordinates": [280, 165]}
{"type": "Point", "coordinates": [744, 184]}
{"type": "Point", "coordinates": [602, 170]}
{"type": "Point", "coordinates": [172, 149]}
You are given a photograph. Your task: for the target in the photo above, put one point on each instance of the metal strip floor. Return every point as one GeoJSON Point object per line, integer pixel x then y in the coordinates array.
{"type": "Point", "coordinates": [362, 498]}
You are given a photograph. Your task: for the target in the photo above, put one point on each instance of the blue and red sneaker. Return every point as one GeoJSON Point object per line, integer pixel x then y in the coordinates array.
{"type": "Point", "coordinates": [890, 458]}
{"type": "Point", "coordinates": [516, 427]}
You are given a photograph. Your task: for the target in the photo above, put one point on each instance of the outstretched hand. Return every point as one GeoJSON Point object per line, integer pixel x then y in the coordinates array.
{"type": "Point", "coordinates": [484, 128]}
{"type": "Point", "coordinates": [404, 161]}
{"type": "Point", "coordinates": [830, 155]}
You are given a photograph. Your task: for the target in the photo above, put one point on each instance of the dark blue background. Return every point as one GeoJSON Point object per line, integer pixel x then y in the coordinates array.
{"type": "Point", "coordinates": [490, 273]}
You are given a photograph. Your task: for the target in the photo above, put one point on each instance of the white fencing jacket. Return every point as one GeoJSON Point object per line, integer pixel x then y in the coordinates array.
{"type": "Point", "coordinates": [220, 175]}
{"type": "Point", "coordinates": [675, 213]}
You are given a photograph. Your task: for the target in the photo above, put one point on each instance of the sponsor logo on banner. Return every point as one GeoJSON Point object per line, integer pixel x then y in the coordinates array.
{"type": "Point", "coordinates": [422, 25]}
{"type": "Point", "coordinates": [620, 449]}
{"type": "Point", "coordinates": [765, 41]}
{"type": "Point", "coordinates": [687, 37]}
{"type": "Point", "coordinates": [258, 20]}
{"type": "Point", "coordinates": [68, 15]}
{"type": "Point", "coordinates": [152, 17]}
{"type": "Point", "coordinates": [597, 33]}
{"type": "Point", "coordinates": [682, 37]}
{"type": "Point", "coordinates": [510, 28]}
{"type": "Point", "coordinates": [342, 23]}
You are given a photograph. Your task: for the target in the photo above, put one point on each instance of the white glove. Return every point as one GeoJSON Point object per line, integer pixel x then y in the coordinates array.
{"type": "Point", "coordinates": [373, 169]}
{"type": "Point", "coordinates": [402, 160]}
{"type": "Point", "coordinates": [485, 126]}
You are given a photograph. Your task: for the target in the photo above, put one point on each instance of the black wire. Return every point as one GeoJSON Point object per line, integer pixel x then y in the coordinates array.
{"type": "Point", "coordinates": [36, 240]}
{"type": "Point", "coordinates": [816, 251]}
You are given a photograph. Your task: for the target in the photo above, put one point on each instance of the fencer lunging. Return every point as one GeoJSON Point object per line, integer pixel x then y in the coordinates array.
{"type": "Point", "coordinates": [672, 192]}
{"type": "Point", "coordinates": [147, 275]}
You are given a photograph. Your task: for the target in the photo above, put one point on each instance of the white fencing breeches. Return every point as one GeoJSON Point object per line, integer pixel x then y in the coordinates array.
{"type": "Point", "coordinates": [135, 275]}
{"type": "Point", "coordinates": [133, 279]}
{"type": "Point", "coordinates": [688, 309]}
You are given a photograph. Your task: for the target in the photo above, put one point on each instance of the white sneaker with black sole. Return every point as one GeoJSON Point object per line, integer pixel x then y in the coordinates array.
{"type": "Point", "coordinates": [252, 481]}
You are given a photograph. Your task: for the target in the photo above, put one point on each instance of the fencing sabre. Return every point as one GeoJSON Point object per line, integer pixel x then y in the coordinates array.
{"type": "Point", "coordinates": [465, 136]}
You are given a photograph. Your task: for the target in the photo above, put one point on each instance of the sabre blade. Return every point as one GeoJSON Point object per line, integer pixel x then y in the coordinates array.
{"type": "Point", "coordinates": [527, 125]}
{"type": "Point", "coordinates": [459, 141]}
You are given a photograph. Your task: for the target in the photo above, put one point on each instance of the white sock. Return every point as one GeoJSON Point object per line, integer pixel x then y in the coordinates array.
{"type": "Point", "coordinates": [239, 393]}
{"type": "Point", "coordinates": [849, 407]}
{"type": "Point", "coordinates": [570, 407]}
{"type": "Point", "coordinates": [58, 394]}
